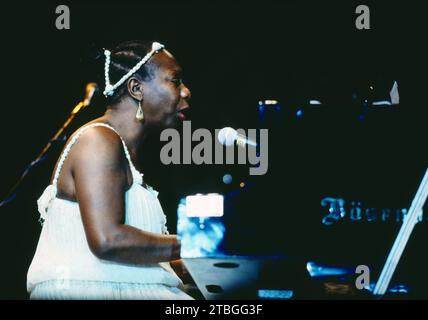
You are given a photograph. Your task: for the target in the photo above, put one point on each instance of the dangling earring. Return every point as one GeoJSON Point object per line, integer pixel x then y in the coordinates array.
{"type": "Point", "coordinates": [139, 115]}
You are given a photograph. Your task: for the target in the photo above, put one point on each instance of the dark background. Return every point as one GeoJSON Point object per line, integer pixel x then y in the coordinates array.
{"type": "Point", "coordinates": [234, 55]}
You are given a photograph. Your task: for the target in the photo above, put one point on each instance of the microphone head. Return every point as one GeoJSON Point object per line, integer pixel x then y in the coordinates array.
{"type": "Point", "coordinates": [227, 136]}
{"type": "Point", "coordinates": [90, 89]}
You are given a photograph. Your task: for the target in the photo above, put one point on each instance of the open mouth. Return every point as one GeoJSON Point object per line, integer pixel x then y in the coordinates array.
{"type": "Point", "coordinates": [183, 114]}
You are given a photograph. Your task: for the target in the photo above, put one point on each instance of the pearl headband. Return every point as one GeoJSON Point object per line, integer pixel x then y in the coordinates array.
{"type": "Point", "coordinates": [109, 89]}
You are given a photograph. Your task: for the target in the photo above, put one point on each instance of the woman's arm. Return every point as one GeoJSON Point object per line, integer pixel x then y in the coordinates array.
{"type": "Point", "coordinates": [99, 169]}
{"type": "Point", "coordinates": [181, 270]}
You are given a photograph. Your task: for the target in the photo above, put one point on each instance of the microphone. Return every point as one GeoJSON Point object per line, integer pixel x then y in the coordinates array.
{"type": "Point", "coordinates": [90, 89]}
{"type": "Point", "coordinates": [228, 136]}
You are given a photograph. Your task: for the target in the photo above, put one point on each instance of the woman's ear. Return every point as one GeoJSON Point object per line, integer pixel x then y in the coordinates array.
{"type": "Point", "coordinates": [135, 88]}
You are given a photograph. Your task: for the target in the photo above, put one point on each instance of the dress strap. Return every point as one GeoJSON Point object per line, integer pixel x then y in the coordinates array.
{"type": "Point", "coordinates": [136, 175]}
{"type": "Point", "coordinates": [50, 192]}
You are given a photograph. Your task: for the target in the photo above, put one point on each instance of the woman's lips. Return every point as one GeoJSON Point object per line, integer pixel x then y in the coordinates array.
{"type": "Point", "coordinates": [182, 113]}
{"type": "Point", "coordinates": [181, 116]}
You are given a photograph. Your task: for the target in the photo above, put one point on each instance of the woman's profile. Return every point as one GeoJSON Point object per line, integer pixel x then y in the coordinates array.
{"type": "Point", "coordinates": [104, 234]}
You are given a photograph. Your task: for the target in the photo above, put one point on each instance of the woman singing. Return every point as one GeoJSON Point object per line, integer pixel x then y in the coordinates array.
{"type": "Point", "coordinates": [104, 233]}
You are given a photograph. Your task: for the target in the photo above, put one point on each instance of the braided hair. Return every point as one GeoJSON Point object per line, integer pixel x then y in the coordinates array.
{"type": "Point", "coordinates": [123, 58]}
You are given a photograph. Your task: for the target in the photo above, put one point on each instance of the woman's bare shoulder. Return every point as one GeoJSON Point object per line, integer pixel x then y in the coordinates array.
{"type": "Point", "coordinates": [97, 143]}
{"type": "Point", "coordinates": [97, 151]}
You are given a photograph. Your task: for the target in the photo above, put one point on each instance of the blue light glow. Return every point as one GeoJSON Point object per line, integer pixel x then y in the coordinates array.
{"type": "Point", "coordinates": [275, 294]}
{"type": "Point", "coordinates": [227, 179]}
{"type": "Point", "coordinates": [199, 236]}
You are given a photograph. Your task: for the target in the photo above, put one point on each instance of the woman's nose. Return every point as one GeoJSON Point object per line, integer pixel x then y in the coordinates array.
{"type": "Point", "coordinates": [185, 92]}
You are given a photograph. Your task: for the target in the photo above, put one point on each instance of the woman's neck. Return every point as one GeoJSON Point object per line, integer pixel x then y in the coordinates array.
{"type": "Point", "coordinates": [122, 118]}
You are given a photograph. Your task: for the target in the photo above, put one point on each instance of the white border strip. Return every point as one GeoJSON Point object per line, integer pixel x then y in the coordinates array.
{"type": "Point", "coordinates": [403, 236]}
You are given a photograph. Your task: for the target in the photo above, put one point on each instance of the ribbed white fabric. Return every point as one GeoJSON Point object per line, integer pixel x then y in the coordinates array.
{"type": "Point", "coordinates": [63, 252]}
{"type": "Point", "coordinates": [103, 290]}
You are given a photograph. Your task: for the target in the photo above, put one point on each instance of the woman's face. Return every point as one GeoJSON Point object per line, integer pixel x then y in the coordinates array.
{"type": "Point", "coordinates": [165, 96]}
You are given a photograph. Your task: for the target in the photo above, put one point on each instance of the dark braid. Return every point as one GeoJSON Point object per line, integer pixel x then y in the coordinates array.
{"type": "Point", "coordinates": [123, 58]}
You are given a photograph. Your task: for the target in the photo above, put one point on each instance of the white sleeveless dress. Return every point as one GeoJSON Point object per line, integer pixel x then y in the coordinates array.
{"type": "Point", "coordinates": [64, 267]}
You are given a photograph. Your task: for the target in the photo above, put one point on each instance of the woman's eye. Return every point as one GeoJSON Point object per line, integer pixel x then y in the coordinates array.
{"type": "Point", "coordinates": [176, 81]}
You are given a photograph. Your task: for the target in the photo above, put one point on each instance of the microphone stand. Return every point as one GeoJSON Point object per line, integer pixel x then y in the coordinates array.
{"type": "Point", "coordinates": [42, 155]}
